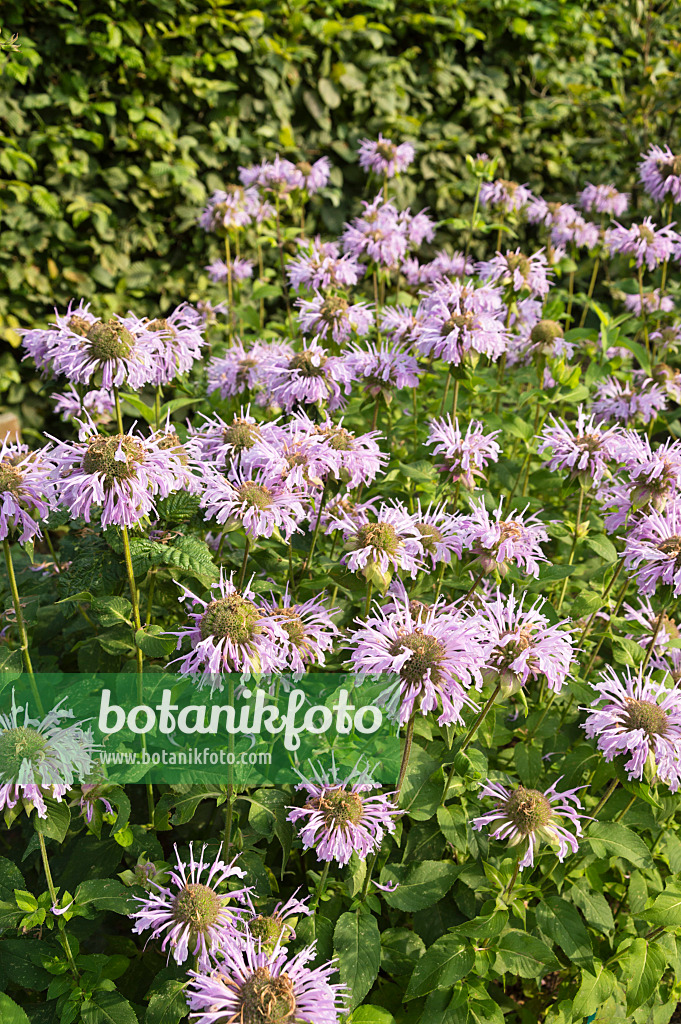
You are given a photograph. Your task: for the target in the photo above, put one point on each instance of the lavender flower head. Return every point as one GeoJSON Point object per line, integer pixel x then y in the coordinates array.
{"type": "Point", "coordinates": [431, 657]}
{"type": "Point", "coordinates": [377, 549]}
{"type": "Point", "coordinates": [105, 353]}
{"type": "Point", "coordinates": [178, 339]}
{"type": "Point", "coordinates": [253, 499]}
{"type": "Point", "coordinates": [385, 157]}
{"type": "Point", "coordinates": [498, 542]}
{"type": "Point", "coordinates": [242, 369]}
{"type": "Point", "coordinates": [660, 173]}
{"type": "Point", "coordinates": [440, 533]}
{"type": "Point", "coordinates": [41, 758]}
{"type": "Point", "coordinates": [26, 490]}
{"type": "Point", "coordinates": [527, 816]}
{"type": "Point", "coordinates": [190, 914]}
{"type": "Point", "coordinates": [320, 266]}
{"type": "Point", "coordinates": [339, 818]}
{"type": "Point", "coordinates": [384, 367]}
{"type": "Point", "coordinates": [230, 633]}
{"type": "Point", "coordinates": [230, 209]}
{"type": "Point", "coordinates": [505, 196]}
{"type": "Point", "coordinates": [252, 984]}
{"type": "Point", "coordinates": [653, 301]}
{"type": "Point", "coordinates": [520, 644]}
{"type": "Point", "coordinates": [464, 456]}
{"type": "Point", "coordinates": [309, 177]}
{"type": "Point", "coordinates": [645, 242]}
{"type": "Point", "coordinates": [220, 444]}
{"type": "Point", "coordinates": [380, 234]}
{"type": "Point", "coordinates": [460, 320]}
{"type": "Point", "coordinates": [653, 550]}
{"type": "Point", "coordinates": [310, 377]}
{"type": "Point", "coordinates": [122, 473]}
{"type": "Point", "coordinates": [628, 402]}
{"type": "Point", "coordinates": [274, 931]}
{"type": "Point", "coordinates": [603, 199]}
{"type": "Point", "coordinates": [309, 629]}
{"type": "Point", "coordinates": [641, 718]}
{"type": "Point", "coordinates": [518, 272]}
{"type": "Point", "coordinates": [587, 449]}
{"type": "Point", "coordinates": [98, 403]}
{"type": "Point", "coordinates": [353, 460]}
{"type": "Point", "coordinates": [334, 317]}
{"type": "Point", "coordinates": [241, 270]}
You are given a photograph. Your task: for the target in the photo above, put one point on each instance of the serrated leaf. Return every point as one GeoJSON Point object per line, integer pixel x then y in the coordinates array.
{"type": "Point", "coordinates": [168, 1004]}
{"type": "Point", "coordinates": [418, 885]}
{"type": "Point", "coordinates": [609, 838]}
{"type": "Point", "coordinates": [560, 920]}
{"type": "Point", "coordinates": [56, 823]}
{"type": "Point", "coordinates": [642, 967]}
{"type": "Point", "coordinates": [524, 955]}
{"type": "Point", "coordinates": [357, 944]}
{"type": "Point", "coordinates": [10, 1013]}
{"type": "Point", "coordinates": [108, 1008]}
{"type": "Point", "coordinates": [447, 961]}
{"type": "Point", "coordinates": [104, 894]}
{"type": "Point", "coordinates": [595, 988]}
{"type": "Point", "coordinates": [666, 910]}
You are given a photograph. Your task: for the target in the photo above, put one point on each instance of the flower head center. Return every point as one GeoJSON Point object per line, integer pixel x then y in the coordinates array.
{"type": "Point", "coordinates": [79, 325]}
{"type": "Point", "coordinates": [339, 807]}
{"type": "Point", "coordinates": [340, 439]}
{"type": "Point", "coordinates": [268, 930]}
{"type": "Point", "coordinates": [255, 495]}
{"type": "Point", "coordinates": [240, 435]}
{"type": "Point", "coordinates": [114, 457]}
{"type": "Point", "coordinates": [305, 168]}
{"type": "Point", "coordinates": [266, 1000]}
{"type": "Point", "coordinates": [308, 364]}
{"type": "Point", "coordinates": [430, 536]}
{"type": "Point", "coordinates": [457, 321]}
{"type": "Point", "coordinates": [110, 340]}
{"type": "Point", "coordinates": [292, 623]}
{"type": "Point", "coordinates": [333, 309]}
{"type": "Point", "coordinates": [545, 333]}
{"type": "Point", "coordinates": [426, 657]}
{"type": "Point", "coordinates": [386, 150]}
{"type": "Point", "coordinates": [509, 530]}
{"type": "Point", "coordinates": [231, 618]}
{"type": "Point", "coordinates": [10, 477]}
{"type": "Point", "coordinates": [591, 443]}
{"type": "Point", "coordinates": [381, 536]}
{"type": "Point", "coordinates": [517, 261]}
{"type": "Point", "coordinates": [18, 745]}
{"type": "Point", "coordinates": [646, 715]}
{"type": "Point", "coordinates": [160, 325]}
{"type": "Point", "coordinates": [528, 809]}
{"type": "Point", "coordinates": [646, 233]}
{"type": "Point", "coordinates": [197, 906]}
{"type": "Point", "coordinates": [671, 546]}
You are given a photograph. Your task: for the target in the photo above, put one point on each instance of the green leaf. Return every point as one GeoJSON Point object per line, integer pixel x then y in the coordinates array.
{"type": "Point", "coordinates": [108, 1008]}
{"type": "Point", "coordinates": [11, 878]}
{"type": "Point", "coordinates": [104, 894]}
{"type": "Point", "coordinates": [152, 644]}
{"type": "Point", "coordinates": [400, 949]}
{"type": "Point", "coordinates": [594, 990]}
{"type": "Point", "coordinates": [357, 944]}
{"type": "Point", "coordinates": [56, 824]}
{"type": "Point", "coordinates": [603, 546]}
{"type": "Point", "coordinates": [21, 962]}
{"type": "Point", "coordinates": [168, 1004]}
{"type": "Point", "coordinates": [10, 1013]}
{"type": "Point", "coordinates": [642, 967]}
{"type": "Point", "coordinates": [524, 955]}
{"type": "Point", "coordinates": [371, 1015]}
{"type": "Point", "coordinates": [560, 920]}
{"type": "Point", "coordinates": [593, 905]}
{"type": "Point", "coordinates": [666, 910]}
{"type": "Point", "coordinates": [611, 838]}
{"type": "Point", "coordinates": [419, 885]}
{"type": "Point", "coordinates": [447, 961]}
{"type": "Point", "coordinates": [269, 816]}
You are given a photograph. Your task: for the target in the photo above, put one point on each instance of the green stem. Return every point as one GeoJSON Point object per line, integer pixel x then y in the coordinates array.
{"type": "Point", "coordinates": [514, 876]}
{"type": "Point", "coordinates": [370, 865]}
{"type": "Point", "coordinates": [590, 621]}
{"type": "Point", "coordinates": [157, 406]}
{"type": "Point", "coordinates": [592, 284]}
{"type": "Point", "coordinates": [136, 618]}
{"type": "Point", "coordinates": [367, 603]}
{"type": "Point", "coordinates": [308, 557]}
{"type": "Point", "coordinates": [475, 585]}
{"type": "Point", "coordinates": [542, 716]}
{"type": "Point", "coordinates": [471, 733]}
{"type": "Point", "coordinates": [500, 380]}
{"type": "Point", "coordinates": [438, 585]}
{"type": "Point", "coordinates": [575, 538]}
{"type": "Point", "coordinates": [658, 626]}
{"type": "Point", "coordinates": [21, 626]}
{"type": "Point", "coordinates": [473, 216]}
{"type": "Point", "coordinates": [644, 313]}
{"type": "Point", "coordinates": [606, 796]}
{"type": "Point", "coordinates": [280, 246]}
{"type": "Point", "coordinates": [456, 398]}
{"type": "Point", "coordinates": [628, 807]}
{"type": "Point", "coordinates": [408, 740]}
{"type": "Point", "coordinates": [242, 574]}
{"type": "Point", "coordinates": [613, 614]}
{"type": "Point", "coordinates": [119, 417]}
{"type": "Point", "coordinates": [53, 896]}
{"type": "Point", "coordinates": [446, 392]}
{"type": "Point", "coordinates": [230, 777]}
{"type": "Point", "coordinates": [320, 888]}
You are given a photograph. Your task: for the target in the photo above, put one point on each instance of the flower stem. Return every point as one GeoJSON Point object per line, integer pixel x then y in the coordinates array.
{"type": "Point", "coordinates": [590, 621]}
{"type": "Point", "coordinates": [136, 618]}
{"type": "Point", "coordinates": [592, 283]}
{"type": "Point", "coordinates": [367, 603]}
{"type": "Point", "coordinates": [53, 897]}
{"type": "Point", "coordinates": [509, 888]}
{"type": "Point", "coordinates": [643, 310]}
{"type": "Point", "coordinates": [308, 557]}
{"type": "Point", "coordinates": [119, 417]}
{"type": "Point", "coordinates": [280, 246]}
{"type": "Point", "coordinates": [469, 736]}
{"type": "Point", "coordinates": [658, 626]}
{"type": "Point", "coordinates": [446, 392]}
{"type": "Point", "coordinates": [475, 586]}
{"type": "Point", "coordinates": [594, 654]}
{"type": "Point", "coordinates": [21, 626]}
{"type": "Point", "coordinates": [629, 805]}
{"type": "Point", "coordinates": [320, 888]}
{"type": "Point", "coordinates": [575, 538]}
{"type": "Point", "coordinates": [242, 574]}
{"type": "Point", "coordinates": [370, 865]}
{"type": "Point", "coordinates": [473, 216]}
{"type": "Point", "coordinates": [456, 398]}
{"type": "Point", "coordinates": [230, 776]}
{"type": "Point", "coordinates": [408, 740]}
{"type": "Point", "coordinates": [606, 796]}
{"type": "Point", "coordinates": [550, 701]}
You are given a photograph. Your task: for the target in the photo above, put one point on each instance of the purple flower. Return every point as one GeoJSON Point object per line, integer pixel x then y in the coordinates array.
{"type": "Point", "coordinates": [587, 449]}
{"type": "Point", "coordinates": [122, 473]}
{"type": "Point", "coordinates": [652, 302]}
{"type": "Point", "coordinates": [418, 226]}
{"type": "Point", "coordinates": [440, 533]}
{"type": "Point", "coordinates": [255, 500]}
{"type": "Point", "coordinates": [459, 319]}
{"type": "Point", "coordinates": [309, 628]}
{"type": "Point", "coordinates": [402, 324]}
{"type": "Point", "coordinates": [654, 474]}
{"type": "Point", "coordinates": [603, 199]}
{"type": "Point", "coordinates": [11, 794]}
{"type": "Point", "coordinates": [383, 367]}
{"type": "Point", "coordinates": [379, 233]}
{"type": "Point", "coordinates": [385, 157]}
{"type": "Point", "coordinates": [339, 818]}
{"type": "Point", "coordinates": [234, 208]}
{"type": "Point", "coordinates": [660, 173]}
{"type": "Point", "coordinates": [660, 628]}
{"type": "Point", "coordinates": [566, 224]}
{"type": "Point", "coordinates": [248, 977]}
{"type": "Point", "coordinates": [464, 456]}
{"type": "Point", "coordinates": [241, 369]}
{"type": "Point", "coordinates": [37, 754]}
{"type": "Point", "coordinates": [320, 266]}
{"type": "Point", "coordinates": [90, 794]}
{"type": "Point", "coordinates": [432, 654]}
{"type": "Point", "coordinates": [309, 177]}
{"type": "Point", "coordinates": [222, 444]}
{"type": "Point", "coordinates": [230, 633]}
{"type": "Point", "coordinates": [445, 264]}
{"type": "Point", "coordinates": [273, 931]}
{"type": "Point", "coordinates": [505, 196]}
{"type": "Point", "coordinates": [498, 542]}
{"type": "Point", "coordinates": [241, 269]}
{"type": "Point", "coordinates": [191, 915]}
{"type": "Point", "coordinates": [98, 404]}
{"type": "Point", "coordinates": [279, 176]}
{"type": "Point", "coordinates": [334, 316]}
{"type": "Point", "coordinates": [354, 460]}
{"type": "Point", "coordinates": [520, 644]}
{"type": "Point", "coordinates": [518, 272]}
{"type": "Point", "coordinates": [527, 816]}
{"type": "Point", "coordinates": [646, 242]}
{"type": "Point", "coordinates": [627, 402]}
{"type": "Point", "coordinates": [639, 717]}
{"type": "Point", "coordinates": [298, 455]}
{"type": "Point", "coordinates": [178, 339]}
{"type": "Point", "coordinates": [310, 377]}
{"type": "Point", "coordinates": [653, 549]}
{"type": "Point", "coordinates": [26, 490]}
{"type": "Point", "coordinates": [377, 549]}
